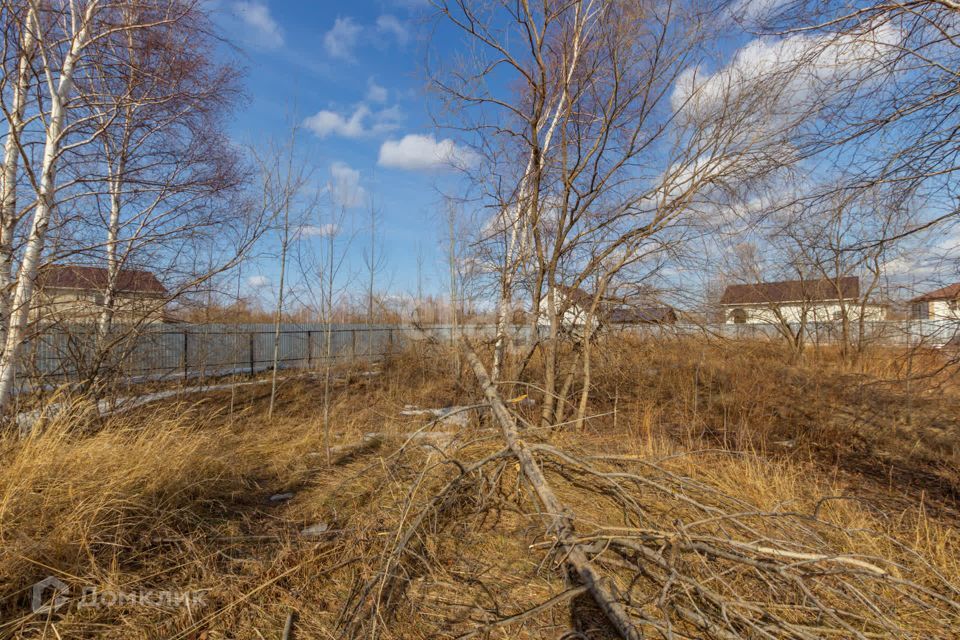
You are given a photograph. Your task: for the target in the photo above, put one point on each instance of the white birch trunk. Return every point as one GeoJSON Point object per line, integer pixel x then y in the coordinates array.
{"type": "Point", "coordinates": [11, 165]}
{"type": "Point", "coordinates": [523, 208]}
{"type": "Point", "coordinates": [105, 322]}
{"type": "Point", "coordinates": [46, 197]}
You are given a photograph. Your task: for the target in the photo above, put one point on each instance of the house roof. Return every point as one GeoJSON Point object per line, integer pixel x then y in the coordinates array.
{"type": "Point", "coordinates": [642, 315]}
{"type": "Point", "coordinates": [74, 276]}
{"type": "Point", "coordinates": [576, 295]}
{"type": "Point", "coordinates": [948, 292]}
{"type": "Point", "coordinates": [792, 291]}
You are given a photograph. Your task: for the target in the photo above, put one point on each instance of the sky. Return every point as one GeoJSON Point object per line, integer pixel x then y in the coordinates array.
{"type": "Point", "coordinates": [350, 74]}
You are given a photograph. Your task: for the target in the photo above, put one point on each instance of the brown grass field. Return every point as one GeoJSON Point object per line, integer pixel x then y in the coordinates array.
{"type": "Point", "coordinates": [859, 461]}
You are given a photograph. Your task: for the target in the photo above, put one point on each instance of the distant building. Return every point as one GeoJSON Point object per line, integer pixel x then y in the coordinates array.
{"type": "Point", "coordinates": [793, 301]}
{"type": "Point", "coordinates": [577, 302]}
{"type": "Point", "coordinates": [75, 293]}
{"type": "Point", "coordinates": [629, 316]}
{"type": "Point", "coordinates": [942, 304]}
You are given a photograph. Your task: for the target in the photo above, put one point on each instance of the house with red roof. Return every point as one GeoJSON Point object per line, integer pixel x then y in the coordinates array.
{"type": "Point", "coordinates": [795, 301]}
{"type": "Point", "coordinates": [75, 293]}
{"type": "Point", "coordinates": [941, 304]}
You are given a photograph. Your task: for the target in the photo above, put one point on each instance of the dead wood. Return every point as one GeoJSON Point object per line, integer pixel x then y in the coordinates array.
{"type": "Point", "coordinates": [560, 522]}
{"type": "Point", "coordinates": [686, 582]}
{"type": "Point", "coordinates": [372, 601]}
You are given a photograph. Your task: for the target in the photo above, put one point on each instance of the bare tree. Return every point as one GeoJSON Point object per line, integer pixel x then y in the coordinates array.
{"type": "Point", "coordinates": [855, 234]}
{"type": "Point", "coordinates": [65, 36]}
{"type": "Point", "coordinates": [373, 257]}
{"type": "Point", "coordinates": [329, 270]}
{"type": "Point", "coordinates": [615, 159]}
{"type": "Point", "coordinates": [109, 102]}
{"type": "Point", "coordinates": [894, 126]}
{"type": "Point", "coordinates": [18, 63]}
{"type": "Point", "coordinates": [170, 178]}
{"type": "Point", "coordinates": [284, 177]}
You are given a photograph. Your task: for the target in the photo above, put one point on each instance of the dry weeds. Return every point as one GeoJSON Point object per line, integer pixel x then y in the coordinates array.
{"type": "Point", "coordinates": [178, 498]}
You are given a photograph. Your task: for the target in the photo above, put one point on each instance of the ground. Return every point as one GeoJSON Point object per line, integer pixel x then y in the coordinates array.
{"type": "Point", "coordinates": [389, 536]}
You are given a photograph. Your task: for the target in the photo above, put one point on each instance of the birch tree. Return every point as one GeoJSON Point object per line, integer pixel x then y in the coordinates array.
{"type": "Point", "coordinates": [374, 259]}
{"type": "Point", "coordinates": [283, 178]}
{"type": "Point", "coordinates": [170, 178]}
{"type": "Point", "coordinates": [615, 157]}
{"type": "Point", "coordinates": [158, 109]}
{"type": "Point", "coordinates": [20, 45]}
{"type": "Point", "coordinates": [94, 70]}
{"type": "Point", "coordinates": [65, 35]}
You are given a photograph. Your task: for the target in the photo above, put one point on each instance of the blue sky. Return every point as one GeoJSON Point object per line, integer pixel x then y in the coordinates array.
{"type": "Point", "coordinates": [351, 73]}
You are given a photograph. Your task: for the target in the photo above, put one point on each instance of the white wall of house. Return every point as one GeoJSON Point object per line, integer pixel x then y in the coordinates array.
{"type": "Point", "coordinates": [85, 305]}
{"type": "Point", "coordinates": [940, 310]}
{"type": "Point", "coordinates": [574, 316]}
{"type": "Point", "coordinates": [794, 313]}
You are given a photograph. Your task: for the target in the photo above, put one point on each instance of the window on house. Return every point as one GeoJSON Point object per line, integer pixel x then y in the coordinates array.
{"type": "Point", "coordinates": [739, 316]}
{"type": "Point", "coordinates": [919, 311]}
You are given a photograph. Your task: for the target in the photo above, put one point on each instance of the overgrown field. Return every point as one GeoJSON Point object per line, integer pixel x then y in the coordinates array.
{"type": "Point", "coordinates": [761, 499]}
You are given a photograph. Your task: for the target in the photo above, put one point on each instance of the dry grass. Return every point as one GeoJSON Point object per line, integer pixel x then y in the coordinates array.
{"type": "Point", "coordinates": [177, 498]}
{"type": "Point", "coordinates": [894, 416]}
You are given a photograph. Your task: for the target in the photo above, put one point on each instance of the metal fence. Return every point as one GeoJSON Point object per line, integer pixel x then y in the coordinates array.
{"type": "Point", "coordinates": [910, 333]}
{"type": "Point", "coordinates": [61, 355]}
{"type": "Point", "coordinates": [67, 354]}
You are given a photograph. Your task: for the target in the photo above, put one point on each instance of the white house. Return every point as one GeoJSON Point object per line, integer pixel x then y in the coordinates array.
{"type": "Point", "coordinates": [577, 303]}
{"type": "Point", "coordinates": [942, 304]}
{"type": "Point", "coordinates": [793, 301]}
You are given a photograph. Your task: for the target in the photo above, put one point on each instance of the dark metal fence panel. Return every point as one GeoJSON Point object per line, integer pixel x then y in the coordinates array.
{"type": "Point", "coordinates": [63, 354]}
{"type": "Point", "coordinates": [67, 354]}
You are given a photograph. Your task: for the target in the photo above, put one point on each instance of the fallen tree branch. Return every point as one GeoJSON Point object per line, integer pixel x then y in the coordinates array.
{"type": "Point", "coordinates": [560, 521]}
{"type": "Point", "coordinates": [523, 615]}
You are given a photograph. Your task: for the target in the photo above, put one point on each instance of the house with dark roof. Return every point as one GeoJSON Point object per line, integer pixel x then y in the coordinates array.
{"type": "Point", "coordinates": [576, 304]}
{"type": "Point", "coordinates": [941, 304]}
{"type": "Point", "coordinates": [77, 293]}
{"type": "Point", "coordinates": [794, 301]}
{"type": "Point", "coordinates": [573, 303]}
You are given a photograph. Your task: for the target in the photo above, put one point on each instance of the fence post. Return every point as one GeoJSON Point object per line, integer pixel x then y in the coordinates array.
{"type": "Point", "coordinates": [309, 349]}
{"type": "Point", "coordinates": [353, 343]}
{"type": "Point", "coordinates": [390, 341]}
{"type": "Point", "coordinates": [186, 352]}
{"type": "Point", "coordinates": [251, 339]}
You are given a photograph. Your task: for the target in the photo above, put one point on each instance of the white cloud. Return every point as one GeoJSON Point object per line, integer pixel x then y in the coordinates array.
{"type": "Point", "coordinates": [779, 80]}
{"type": "Point", "coordinates": [344, 185]}
{"type": "Point", "coordinates": [361, 122]}
{"type": "Point", "coordinates": [255, 15]}
{"type": "Point", "coordinates": [751, 11]}
{"type": "Point", "coordinates": [375, 93]}
{"type": "Point", "coordinates": [924, 256]}
{"type": "Point", "coordinates": [258, 282]}
{"type": "Point", "coordinates": [391, 25]}
{"type": "Point", "coordinates": [342, 38]}
{"type": "Point", "coordinates": [321, 230]}
{"type": "Point", "coordinates": [416, 152]}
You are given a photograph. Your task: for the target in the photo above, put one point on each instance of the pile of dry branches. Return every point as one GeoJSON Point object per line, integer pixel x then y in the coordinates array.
{"type": "Point", "coordinates": [681, 559]}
